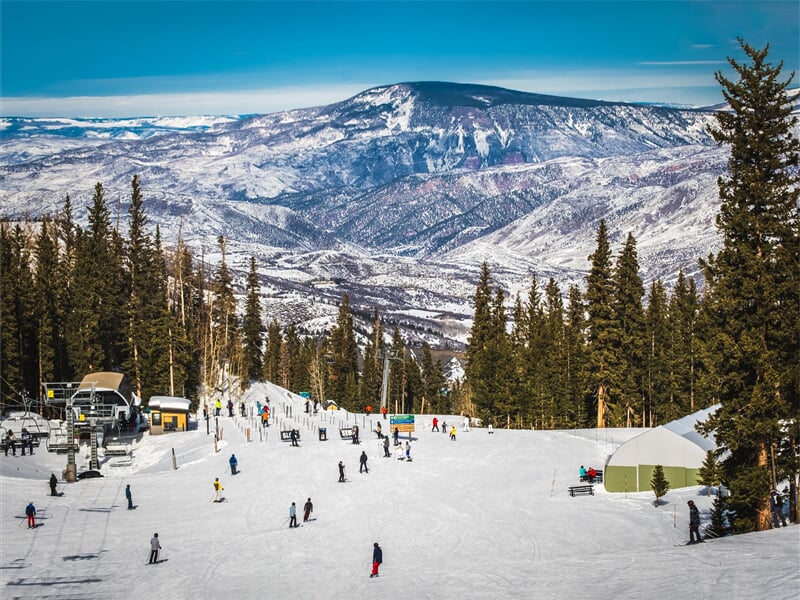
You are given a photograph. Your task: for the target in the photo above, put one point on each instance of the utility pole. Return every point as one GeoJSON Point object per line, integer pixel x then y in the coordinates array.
{"type": "Point", "coordinates": [387, 356]}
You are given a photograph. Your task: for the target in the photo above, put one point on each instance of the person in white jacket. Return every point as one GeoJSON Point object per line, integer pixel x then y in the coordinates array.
{"type": "Point", "coordinates": [466, 423]}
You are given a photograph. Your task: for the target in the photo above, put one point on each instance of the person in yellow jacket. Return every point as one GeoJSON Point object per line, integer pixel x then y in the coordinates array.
{"type": "Point", "coordinates": [218, 490]}
{"type": "Point", "coordinates": [217, 406]}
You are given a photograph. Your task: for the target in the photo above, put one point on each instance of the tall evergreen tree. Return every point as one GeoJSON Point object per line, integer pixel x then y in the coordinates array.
{"type": "Point", "coordinates": [602, 360]}
{"type": "Point", "coordinates": [683, 309]}
{"type": "Point", "coordinates": [751, 301]}
{"type": "Point", "coordinates": [575, 368]}
{"type": "Point", "coordinates": [629, 331]}
{"type": "Point", "coordinates": [658, 409]}
{"type": "Point", "coordinates": [478, 369]}
{"type": "Point", "coordinates": [47, 287]}
{"type": "Point", "coordinates": [344, 358]}
{"type": "Point", "coordinates": [252, 325]}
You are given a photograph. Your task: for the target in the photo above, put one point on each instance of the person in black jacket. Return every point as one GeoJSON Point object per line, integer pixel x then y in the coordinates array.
{"type": "Point", "coordinates": [694, 524]}
{"type": "Point", "coordinates": [377, 559]}
{"type": "Point", "coordinates": [53, 483]}
{"type": "Point", "coordinates": [341, 472]}
{"type": "Point", "coordinates": [363, 461]}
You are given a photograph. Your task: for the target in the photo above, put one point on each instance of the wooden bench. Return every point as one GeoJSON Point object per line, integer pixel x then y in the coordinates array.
{"type": "Point", "coordinates": [581, 489]}
{"type": "Point", "coordinates": [598, 478]}
{"type": "Point", "coordinates": [346, 433]}
{"type": "Point", "coordinates": [286, 436]}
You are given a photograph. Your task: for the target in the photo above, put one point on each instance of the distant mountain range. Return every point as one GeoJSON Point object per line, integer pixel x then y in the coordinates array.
{"type": "Point", "coordinates": [397, 194]}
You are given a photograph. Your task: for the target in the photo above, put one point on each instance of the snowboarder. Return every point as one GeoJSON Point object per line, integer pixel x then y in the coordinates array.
{"type": "Point", "coordinates": [230, 408]}
{"type": "Point", "coordinates": [453, 433]}
{"type": "Point", "coordinates": [363, 461]}
{"type": "Point", "coordinates": [217, 490]}
{"type": "Point", "coordinates": [386, 447]}
{"type": "Point", "coordinates": [233, 462]}
{"type": "Point", "coordinates": [694, 524]}
{"type": "Point", "coordinates": [776, 508]}
{"type": "Point", "coordinates": [292, 516]}
{"type": "Point", "coordinates": [53, 483]}
{"type": "Point", "coordinates": [377, 559]}
{"type": "Point", "coordinates": [30, 510]}
{"type": "Point", "coordinates": [435, 424]}
{"type": "Point", "coordinates": [355, 434]}
{"type": "Point", "coordinates": [129, 496]}
{"type": "Point", "coordinates": [293, 437]}
{"type": "Point", "coordinates": [308, 508]}
{"type": "Point", "coordinates": [341, 472]}
{"type": "Point", "coordinates": [444, 427]}
{"type": "Point", "coordinates": [155, 546]}
{"type": "Point", "coordinates": [265, 416]}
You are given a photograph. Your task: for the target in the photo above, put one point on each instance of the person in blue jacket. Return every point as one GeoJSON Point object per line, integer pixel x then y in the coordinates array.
{"type": "Point", "coordinates": [233, 463]}
{"type": "Point", "coordinates": [30, 510]}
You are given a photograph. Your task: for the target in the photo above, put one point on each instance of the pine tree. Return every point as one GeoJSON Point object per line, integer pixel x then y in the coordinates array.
{"type": "Point", "coordinates": [575, 369]}
{"type": "Point", "coordinates": [659, 483]}
{"type": "Point", "coordinates": [603, 367]}
{"type": "Point", "coordinates": [683, 314]}
{"type": "Point", "coordinates": [708, 474]}
{"type": "Point", "coordinates": [252, 325]}
{"type": "Point", "coordinates": [719, 518]}
{"type": "Point", "coordinates": [751, 302]}
{"type": "Point", "coordinates": [657, 353]}
{"type": "Point", "coordinates": [478, 371]}
{"type": "Point", "coordinates": [344, 358]}
{"type": "Point", "coordinates": [629, 334]}
{"type": "Point", "coordinates": [47, 286]}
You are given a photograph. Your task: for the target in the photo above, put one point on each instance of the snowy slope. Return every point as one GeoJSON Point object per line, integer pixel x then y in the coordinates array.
{"type": "Point", "coordinates": [486, 516]}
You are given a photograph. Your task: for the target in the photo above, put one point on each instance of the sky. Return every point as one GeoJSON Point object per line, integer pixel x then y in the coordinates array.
{"type": "Point", "coordinates": [160, 58]}
{"type": "Point", "coordinates": [482, 517]}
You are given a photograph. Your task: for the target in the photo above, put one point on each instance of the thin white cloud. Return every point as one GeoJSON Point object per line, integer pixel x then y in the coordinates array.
{"type": "Point", "coordinates": [681, 62]}
{"type": "Point", "coordinates": [204, 103]}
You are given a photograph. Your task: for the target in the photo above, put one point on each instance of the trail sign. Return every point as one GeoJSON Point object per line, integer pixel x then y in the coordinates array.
{"type": "Point", "coordinates": [401, 422]}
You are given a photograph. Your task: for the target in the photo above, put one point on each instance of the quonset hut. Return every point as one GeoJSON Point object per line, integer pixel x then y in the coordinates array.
{"type": "Point", "coordinates": [676, 446]}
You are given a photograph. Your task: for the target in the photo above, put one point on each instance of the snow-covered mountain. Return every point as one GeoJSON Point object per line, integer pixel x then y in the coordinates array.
{"type": "Point", "coordinates": [399, 193]}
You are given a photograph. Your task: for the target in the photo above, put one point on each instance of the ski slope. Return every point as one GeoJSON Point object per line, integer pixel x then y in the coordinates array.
{"type": "Point", "coordinates": [485, 516]}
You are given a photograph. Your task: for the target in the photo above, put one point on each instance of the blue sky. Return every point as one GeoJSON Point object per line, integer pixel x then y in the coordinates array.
{"type": "Point", "coordinates": [136, 58]}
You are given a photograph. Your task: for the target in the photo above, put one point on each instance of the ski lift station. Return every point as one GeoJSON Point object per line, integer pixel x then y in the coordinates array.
{"type": "Point", "coordinates": [676, 446]}
{"type": "Point", "coordinates": [168, 413]}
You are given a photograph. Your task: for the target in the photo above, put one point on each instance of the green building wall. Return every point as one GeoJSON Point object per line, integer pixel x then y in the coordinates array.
{"type": "Point", "coordinates": [637, 479]}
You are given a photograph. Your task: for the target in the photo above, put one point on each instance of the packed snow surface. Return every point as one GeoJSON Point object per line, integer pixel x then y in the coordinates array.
{"type": "Point", "coordinates": [485, 516]}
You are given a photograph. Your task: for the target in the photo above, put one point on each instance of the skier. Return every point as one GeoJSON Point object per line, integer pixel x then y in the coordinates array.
{"type": "Point", "coordinates": [292, 516]}
{"type": "Point", "coordinates": [435, 424]}
{"type": "Point", "coordinates": [386, 447]}
{"type": "Point", "coordinates": [230, 407]}
{"type": "Point", "coordinates": [53, 483]}
{"type": "Point", "coordinates": [466, 422]}
{"type": "Point", "coordinates": [30, 510]}
{"type": "Point", "coordinates": [363, 461]}
{"type": "Point", "coordinates": [233, 462]}
{"type": "Point", "coordinates": [217, 490]}
{"type": "Point", "coordinates": [408, 451]}
{"type": "Point", "coordinates": [308, 508]}
{"type": "Point", "coordinates": [776, 508]}
{"type": "Point", "coordinates": [379, 431]}
{"type": "Point", "coordinates": [453, 433]}
{"type": "Point", "coordinates": [444, 427]}
{"type": "Point", "coordinates": [355, 434]}
{"type": "Point", "coordinates": [694, 524]}
{"type": "Point", "coordinates": [129, 496]}
{"type": "Point", "coordinates": [377, 559]}
{"type": "Point", "coordinates": [491, 427]}
{"type": "Point", "coordinates": [383, 412]}
{"type": "Point", "coordinates": [396, 436]}
{"type": "Point", "coordinates": [217, 407]}
{"type": "Point", "coordinates": [293, 437]}
{"type": "Point", "coordinates": [155, 546]}
{"type": "Point", "coordinates": [265, 416]}
{"type": "Point", "coordinates": [341, 472]}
